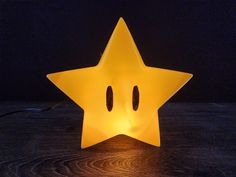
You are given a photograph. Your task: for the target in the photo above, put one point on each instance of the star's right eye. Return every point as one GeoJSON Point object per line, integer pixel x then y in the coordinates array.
{"type": "Point", "coordinates": [135, 99]}
{"type": "Point", "coordinates": [109, 98]}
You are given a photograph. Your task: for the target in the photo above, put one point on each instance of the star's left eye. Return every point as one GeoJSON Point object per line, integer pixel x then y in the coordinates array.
{"type": "Point", "coordinates": [109, 98]}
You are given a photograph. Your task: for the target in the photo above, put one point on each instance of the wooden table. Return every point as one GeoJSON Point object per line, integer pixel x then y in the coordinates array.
{"type": "Point", "coordinates": [196, 140]}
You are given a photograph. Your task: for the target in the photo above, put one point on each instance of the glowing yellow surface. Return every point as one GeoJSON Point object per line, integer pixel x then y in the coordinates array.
{"type": "Point", "coordinates": [120, 67]}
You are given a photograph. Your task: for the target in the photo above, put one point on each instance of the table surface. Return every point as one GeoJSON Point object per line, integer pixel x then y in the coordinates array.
{"type": "Point", "coordinates": [197, 139]}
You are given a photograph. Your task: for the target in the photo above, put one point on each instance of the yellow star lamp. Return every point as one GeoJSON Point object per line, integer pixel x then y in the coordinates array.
{"type": "Point", "coordinates": [120, 95]}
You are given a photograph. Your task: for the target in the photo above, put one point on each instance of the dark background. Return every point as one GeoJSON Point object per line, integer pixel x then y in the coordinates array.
{"type": "Point", "coordinates": [39, 37]}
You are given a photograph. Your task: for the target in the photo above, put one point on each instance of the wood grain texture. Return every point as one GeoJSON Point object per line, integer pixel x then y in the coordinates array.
{"type": "Point", "coordinates": [196, 140]}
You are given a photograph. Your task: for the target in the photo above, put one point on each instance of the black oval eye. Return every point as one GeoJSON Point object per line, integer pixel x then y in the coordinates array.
{"type": "Point", "coordinates": [109, 98]}
{"type": "Point", "coordinates": [135, 98]}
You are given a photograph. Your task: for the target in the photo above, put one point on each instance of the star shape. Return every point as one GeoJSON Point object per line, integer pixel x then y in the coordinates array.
{"type": "Point", "coordinates": [120, 95]}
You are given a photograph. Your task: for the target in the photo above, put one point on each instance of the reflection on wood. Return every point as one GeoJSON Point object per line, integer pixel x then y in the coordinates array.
{"type": "Point", "coordinates": [197, 140]}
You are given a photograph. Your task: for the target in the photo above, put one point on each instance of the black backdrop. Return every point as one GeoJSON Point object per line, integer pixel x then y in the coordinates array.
{"type": "Point", "coordinates": [39, 37]}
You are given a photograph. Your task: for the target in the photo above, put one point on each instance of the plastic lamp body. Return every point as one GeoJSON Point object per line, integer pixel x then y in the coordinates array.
{"type": "Point", "coordinates": [120, 95]}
